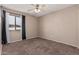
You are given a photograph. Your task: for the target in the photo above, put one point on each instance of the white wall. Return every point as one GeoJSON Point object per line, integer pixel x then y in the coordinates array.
{"type": "Point", "coordinates": [78, 25]}
{"type": "Point", "coordinates": [61, 26]}
{"type": "Point", "coordinates": [31, 27]}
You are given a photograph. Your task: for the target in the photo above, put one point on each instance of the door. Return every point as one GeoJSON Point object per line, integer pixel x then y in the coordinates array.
{"type": "Point", "coordinates": [14, 27]}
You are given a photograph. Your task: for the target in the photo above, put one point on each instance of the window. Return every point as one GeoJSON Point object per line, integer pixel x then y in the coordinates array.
{"type": "Point", "coordinates": [11, 20]}
{"type": "Point", "coordinates": [18, 23]}
{"type": "Point", "coordinates": [14, 22]}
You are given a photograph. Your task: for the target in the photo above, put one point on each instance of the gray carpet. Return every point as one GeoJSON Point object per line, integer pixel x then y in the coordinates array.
{"type": "Point", "coordinates": [38, 47]}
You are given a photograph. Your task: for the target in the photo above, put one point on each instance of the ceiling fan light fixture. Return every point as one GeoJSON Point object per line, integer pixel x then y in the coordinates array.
{"type": "Point", "coordinates": [37, 10]}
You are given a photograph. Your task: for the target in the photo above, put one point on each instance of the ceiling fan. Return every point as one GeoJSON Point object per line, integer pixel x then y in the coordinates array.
{"type": "Point", "coordinates": [37, 8]}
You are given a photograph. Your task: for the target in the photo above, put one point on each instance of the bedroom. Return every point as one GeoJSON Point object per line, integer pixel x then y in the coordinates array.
{"type": "Point", "coordinates": [44, 29]}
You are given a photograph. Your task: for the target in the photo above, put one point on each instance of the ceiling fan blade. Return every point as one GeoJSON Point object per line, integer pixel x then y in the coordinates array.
{"type": "Point", "coordinates": [44, 8]}
{"type": "Point", "coordinates": [30, 10]}
{"type": "Point", "coordinates": [41, 7]}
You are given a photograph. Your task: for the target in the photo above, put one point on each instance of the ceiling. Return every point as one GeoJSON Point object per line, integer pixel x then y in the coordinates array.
{"type": "Point", "coordinates": [25, 7]}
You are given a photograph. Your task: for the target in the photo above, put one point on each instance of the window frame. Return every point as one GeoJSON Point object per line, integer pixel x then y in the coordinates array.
{"type": "Point", "coordinates": [15, 24]}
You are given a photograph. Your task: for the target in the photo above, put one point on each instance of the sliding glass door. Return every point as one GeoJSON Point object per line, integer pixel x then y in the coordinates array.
{"type": "Point", "coordinates": [14, 27]}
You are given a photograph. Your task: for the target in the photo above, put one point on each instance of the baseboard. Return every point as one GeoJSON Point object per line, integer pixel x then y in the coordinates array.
{"type": "Point", "coordinates": [60, 43]}
{"type": "Point", "coordinates": [53, 41]}
{"type": "Point", "coordinates": [33, 38]}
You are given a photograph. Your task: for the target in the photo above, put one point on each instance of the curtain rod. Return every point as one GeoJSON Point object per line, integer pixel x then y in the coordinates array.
{"type": "Point", "coordinates": [12, 11]}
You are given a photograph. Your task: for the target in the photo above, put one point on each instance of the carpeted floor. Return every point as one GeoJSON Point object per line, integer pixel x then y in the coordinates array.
{"type": "Point", "coordinates": [38, 47]}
